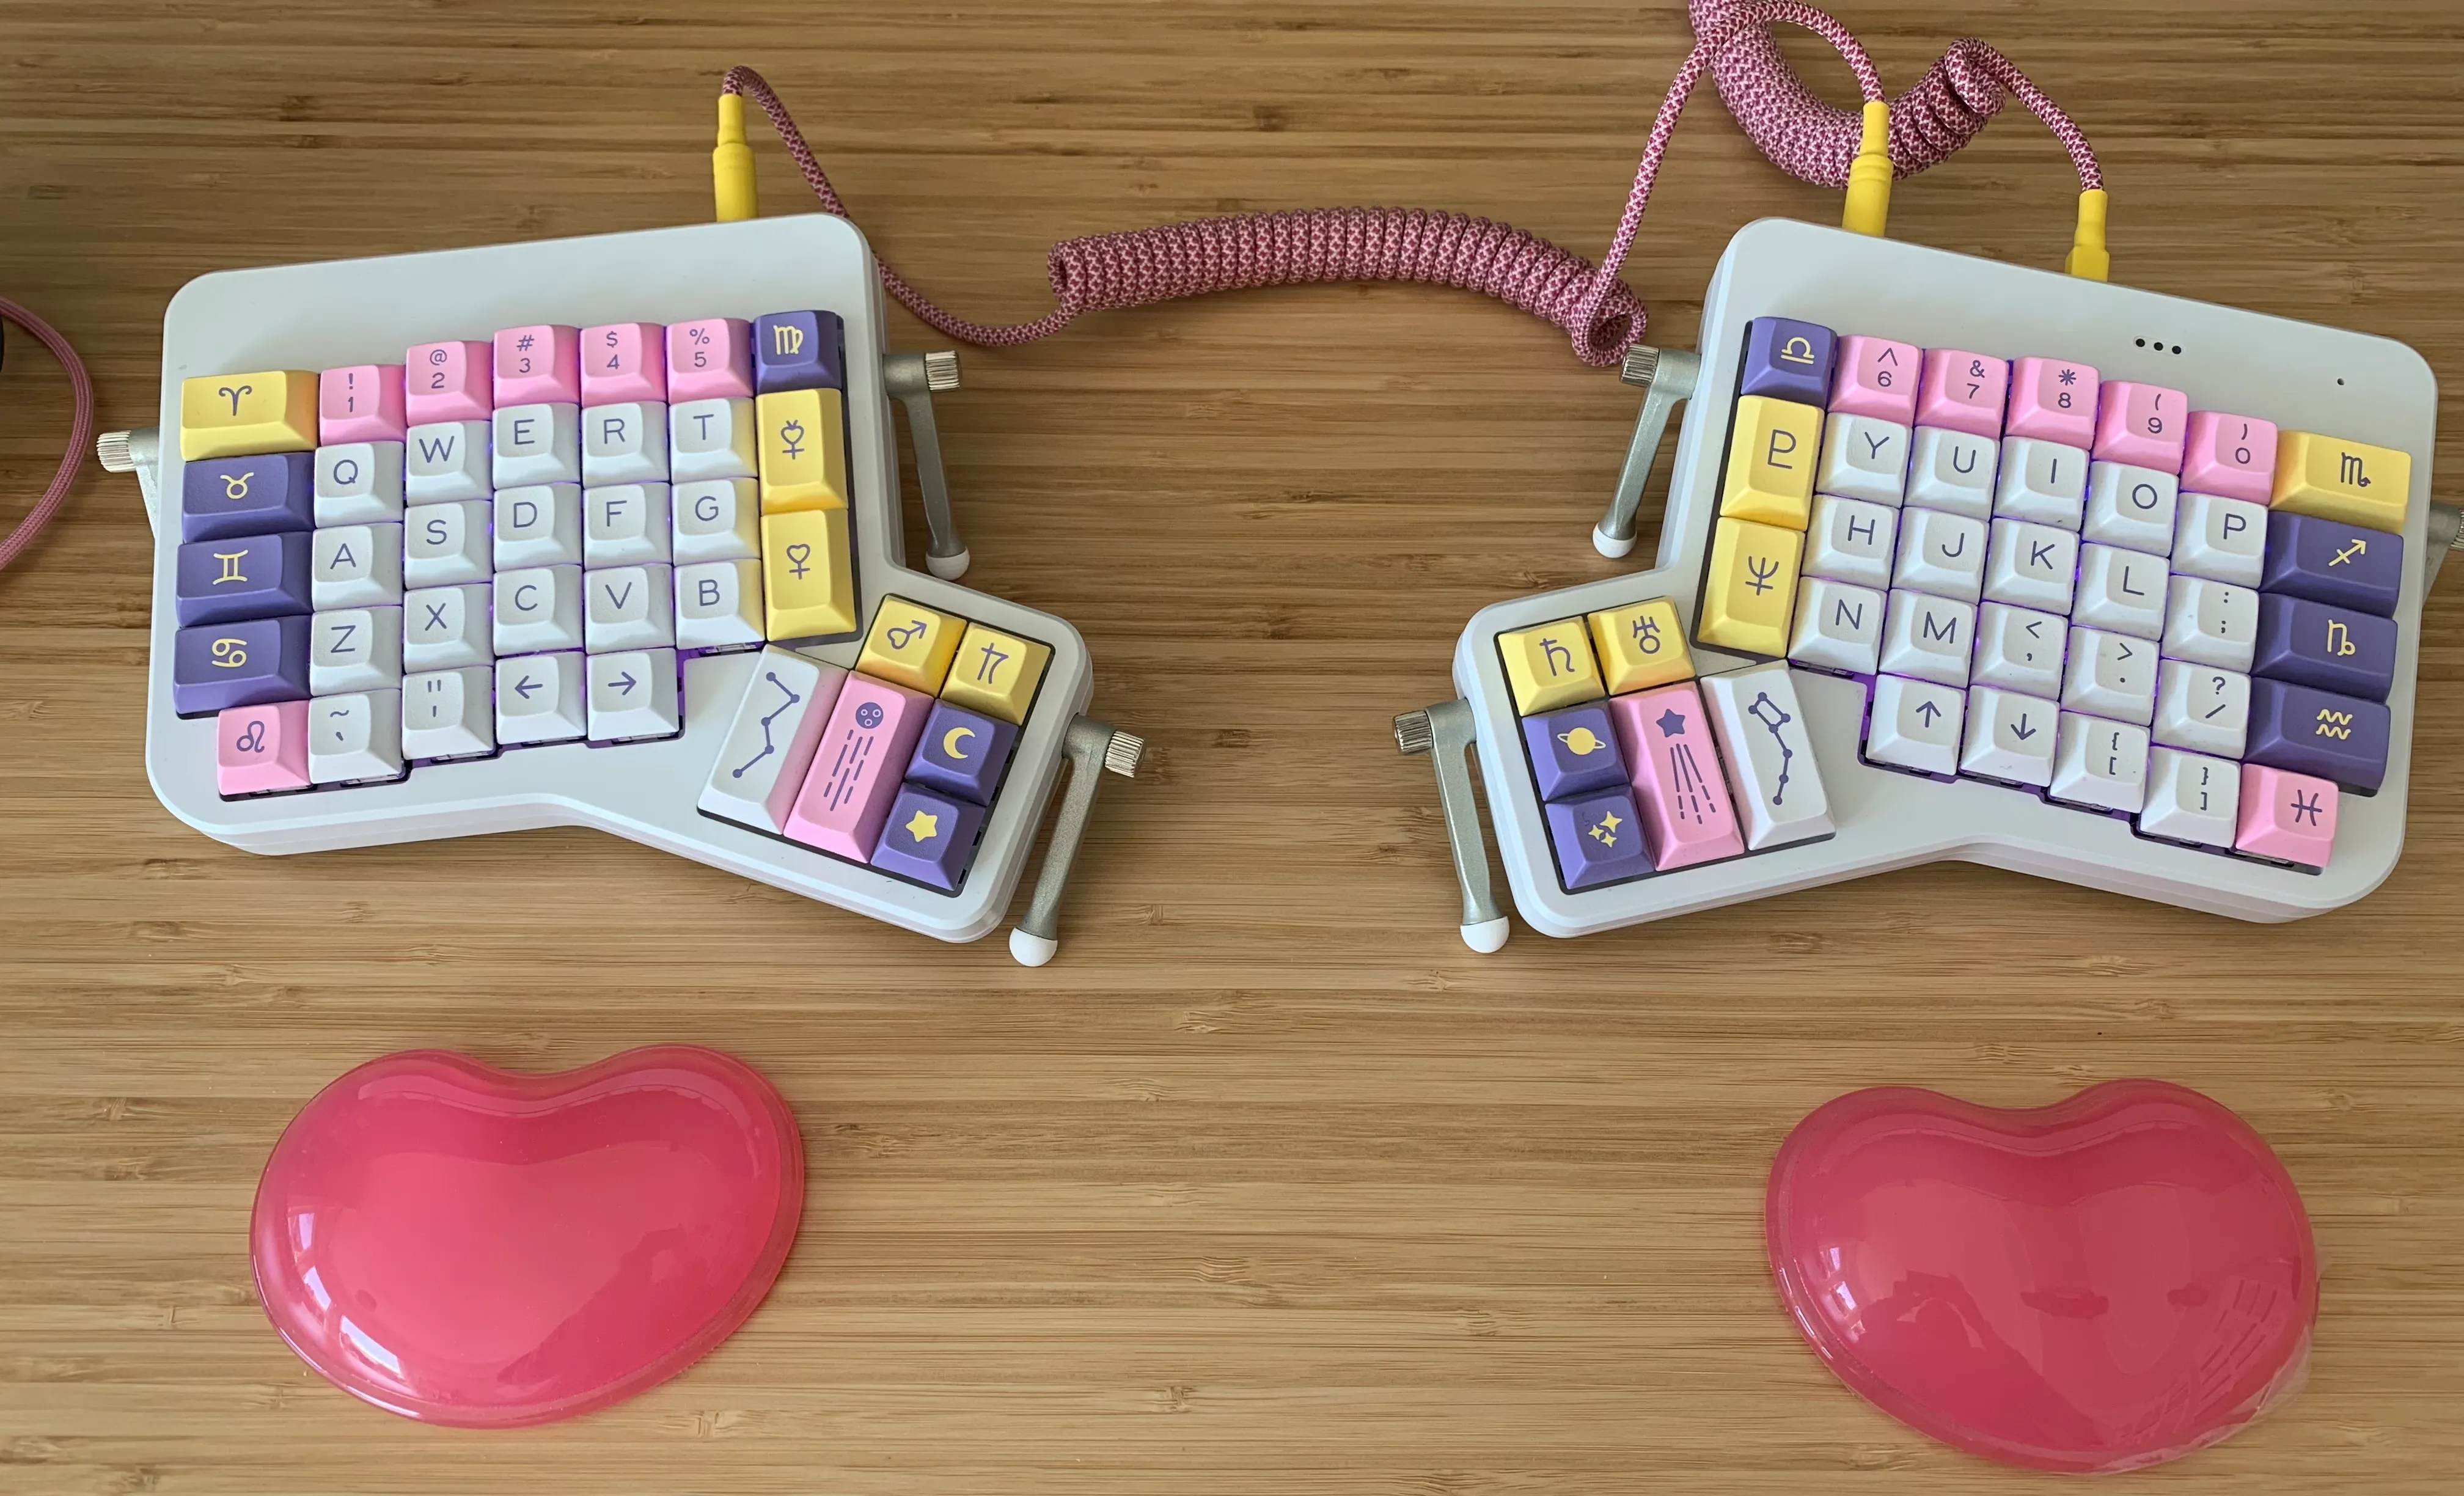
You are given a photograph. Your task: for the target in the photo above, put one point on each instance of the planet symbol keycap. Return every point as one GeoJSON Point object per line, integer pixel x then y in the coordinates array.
{"type": "Point", "coordinates": [1573, 751]}
{"type": "Point", "coordinates": [868, 715]}
{"type": "Point", "coordinates": [1582, 741]}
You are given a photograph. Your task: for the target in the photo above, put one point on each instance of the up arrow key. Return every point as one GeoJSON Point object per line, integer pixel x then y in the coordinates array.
{"type": "Point", "coordinates": [1928, 711]}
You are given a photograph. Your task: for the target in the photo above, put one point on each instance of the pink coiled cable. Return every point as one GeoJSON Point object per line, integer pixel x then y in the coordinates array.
{"type": "Point", "coordinates": [80, 432]}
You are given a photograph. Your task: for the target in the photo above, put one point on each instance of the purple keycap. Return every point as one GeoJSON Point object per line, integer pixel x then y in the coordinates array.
{"type": "Point", "coordinates": [261, 575]}
{"type": "Point", "coordinates": [1573, 751]}
{"type": "Point", "coordinates": [929, 837]}
{"type": "Point", "coordinates": [797, 350]}
{"type": "Point", "coordinates": [248, 495]}
{"type": "Point", "coordinates": [1599, 840]}
{"type": "Point", "coordinates": [961, 752]}
{"type": "Point", "coordinates": [2339, 564]}
{"type": "Point", "coordinates": [2342, 738]}
{"type": "Point", "coordinates": [1787, 360]}
{"type": "Point", "coordinates": [216, 665]}
{"type": "Point", "coordinates": [2334, 648]}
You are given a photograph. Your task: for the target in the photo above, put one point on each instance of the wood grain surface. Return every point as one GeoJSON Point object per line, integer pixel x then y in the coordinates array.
{"type": "Point", "coordinates": [1267, 1184]}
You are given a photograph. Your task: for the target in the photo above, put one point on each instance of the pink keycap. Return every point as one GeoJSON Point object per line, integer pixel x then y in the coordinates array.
{"type": "Point", "coordinates": [1963, 391]}
{"type": "Point", "coordinates": [856, 769]}
{"type": "Point", "coordinates": [1876, 377]}
{"type": "Point", "coordinates": [261, 749]}
{"type": "Point", "coordinates": [448, 382]}
{"type": "Point", "coordinates": [2287, 816]}
{"type": "Point", "coordinates": [2142, 425]}
{"type": "Point", "coordinates": [710, 359]}
{"type": "Point", "coordinates": [623, 362]}
{"type": "Point", "coordinates": [539, 365]}
{"type": "Point", "coordinates": [2229, 454]}
{"type": "Point", "coordinates": [1687, 817]}
{"type": "Point", "coordinates": [2053, 400]}
{"type": "Point", "coordinates": [360, 404]}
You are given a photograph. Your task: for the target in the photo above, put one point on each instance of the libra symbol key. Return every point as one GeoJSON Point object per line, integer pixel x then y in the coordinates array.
{"type": "Point", "coordinates": [1759, 572]}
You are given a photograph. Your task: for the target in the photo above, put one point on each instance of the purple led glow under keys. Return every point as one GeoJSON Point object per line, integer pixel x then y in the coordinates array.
{"type": "Point", "coordinates": [262, 575]}
{"type": "Point", "coordinates": [216, 665]}
{"type": "Point", "coordinates": [2318, 733]}
{"type": "Point", "coordinates": [1787, 360]}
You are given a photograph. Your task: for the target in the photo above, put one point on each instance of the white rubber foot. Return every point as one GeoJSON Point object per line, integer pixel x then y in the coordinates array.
{"type": "Point", "coordinates": [1486, 936]}
{"type": "Point", "coordinates": [948, 568]}
{"type": "Point", "coordinates": [1034, 950]}
{"type": "Point", "coordinates": [1602, 542]}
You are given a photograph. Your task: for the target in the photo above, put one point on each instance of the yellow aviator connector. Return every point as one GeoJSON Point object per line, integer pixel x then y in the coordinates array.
{"type": "Point", "coordinates": [2088, 259]}
{"type": "Point", "coordinates": [731, 163]}
{"type": "Point", "coordinates": [1869, 175]}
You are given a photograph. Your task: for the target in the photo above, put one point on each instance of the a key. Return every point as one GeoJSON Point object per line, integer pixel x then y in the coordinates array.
{"type": "Point", "coordinates": [1750, 586]}
{"type": "Point", "coordinates": [1954, 471]}
{"type": "Point", "coordinates": [1599, 840]}
{"type": "Point", "coordinates": [1770, 756]}
{"type": "Point", "coordinates": [1573, 751]}
{"type": "Point", "coordinates": [865, 747]}
{"type": "Point", "coordinates": [355, 648]}
{"type": "Point", "coordinates": [719, 605]}
{"type": "Point", "coordinates": [624, 363]}
{"type": "Point", "coordinates": [358, 565]}
{"type": "Point", "coordinates": [2210, 623]}
{"type": "Point", "coordinates": [2330, 561]}
{"type": "Point", "coordinates": [801, 435]}
{"type": "Point", "coordinates": [539, 364]}
{"type": "Point", "coordinates": [1665, 737]}
{"type": "Point", "coordinates": [240, 415]}
{"type": "Point", "coordinates": [624, 443]}
{"type": "Point", "coordinates": [710, 359]}
{"type": "Point", "coordinates": [1942, 554]}
{"type": "Point", "coordinates": [447, 461]}
{"type": "Point", "coordinates": [769, 746]}
{"type": "Point", "coordinates": [2303, 730]}
{"type": "Point", "coordinates": [445, 545]}
{"type": "Point", "coordinates": [2333, 649]}
{"type": "Point", "coordinates": [929, 837]}
{"type": "Point", "coordinates": [1915, 724]}
{"type": "Point", "coordinates": [2202, 709]}
{"type": "Point", "coordinates": [1876, 377]}
{"type": "Point", "coordinates": [1839, 626]}
{"type": "Point", "coordinates": [632, 696]}
{"type": "Point", "coordinates": [449, 713]}
{"type": "Point", "coordinates": [2019, 648]}
{"type": "Point", "coordinates": [2121, 591]}
{"type": "Point", "coordinates": [2031, 565]}
{"type": "Point", "coordinates": [1640, 646]}
{"type": "Point", "coordinates": [1772, 452]}
{"type": "Point", "coordinates": [2192, 797]}
{"type": "Point", "coordinates": [718, 520]}
{"type": "Point", "coordinates": [995, 674]}
{"type": "Point", "coordinates": [537, 444]}
{"type": "Point", "coordinates": [1928, 638]}
{"type": "Point", "coordinates": [2142, 425]}
{"type": "Point", "coordinates": [797, 350]}
{"type": "Point", "coordinates": [538, 699]}
{"type": "Point", "coordinates": [448, 382]}
{"type": "Point", "coordinates": [625, 524]}
{"type": "Point", "coordinates": [2053, 400]}
{"type": "Point", "coordinates": [362, 402]}
{"type": "Point", "coordinates": [628, 607]}
{"type": "Point", "coordinates": [448, 628]}
{"type": "Point", "coordinates": [2233, 457]}
{"type": "Point", "coordinates": [2010, 737]}
{"type": "Point", "coordinates": [2111, 676]}
{"type": "Point", "coordinates": [262, 749]}
{"type": "Point", "coordinates": [359, 482]}
{"type": "Point", "coordinates": [2130, 507]}
{"type": "Point", "coordinates": [1864, 457]}
{"type": "Point", "coordinates": [538, 610]}
{"type": "Point", "coordinates": [2042, 482]}
{"type": "Point", "coordinates": [963, 752]}
{"type": "Point", "coordinates": [1963, 391]}
{"type": "Point", "coordinates": [807, 576]}
{"type": "Point", "coordinates": [538, 526]}
{"type": "Point", "coordinates": [355, 739]}
{"type": "Point", "coordinates": [2286, 816]}
{"type": "Point", "coordinates": [2351, 482]}
{"type": "Point", "coordinates": [709, 439]}
{"type": "Point", "coordinates": [2224, 540]}
{"type": "Point", "coordinates": [2101, 764]}
{"type": "Point", "coordinates": [216, 665]}
{"type": "Point", "coordinates": [263, 576]}
{"type": "Point", "coordinates": [910, 644]}
{"type": "Point", "coordinates": [237, 497]}
{"type": "Point", "coordinates": [1852, 541]}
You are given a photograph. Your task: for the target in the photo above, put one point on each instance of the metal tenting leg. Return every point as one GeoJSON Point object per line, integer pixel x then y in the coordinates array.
{"type": "Point", "coordinates": [1093, 748]}
{"type": "Point", "coordinates": [912, 379]}
{"type": "Point", "coordinates": [2446, 534]}
{"type": "Point", "coordinates": [138, 451]}
{"type": "Point", "coordinates": [1667, 376]}
{"type": "Point", "coordinates": [1446, 727]}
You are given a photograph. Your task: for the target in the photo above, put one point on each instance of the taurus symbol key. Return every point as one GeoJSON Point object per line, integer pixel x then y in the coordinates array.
{"type": "Point", "coordinates": [236, 484]}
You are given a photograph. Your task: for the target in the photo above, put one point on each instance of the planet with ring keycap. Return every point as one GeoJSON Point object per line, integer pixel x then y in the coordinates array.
{"type": "Point", "coordinates": [1581, 741]}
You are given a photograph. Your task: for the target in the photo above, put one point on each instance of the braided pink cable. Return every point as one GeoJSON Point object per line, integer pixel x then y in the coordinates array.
{"type": "Point", "coordinates": [80, 432]}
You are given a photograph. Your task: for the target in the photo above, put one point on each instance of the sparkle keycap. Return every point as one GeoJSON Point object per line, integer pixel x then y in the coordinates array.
{"type": "Point", "coordinates": [2330, 561]}
{"type": "Point", "coordinates": [240, 415]}
{"type": "Point", "coordinates": [929, 837]}
{"type": "Point", "coordinates": [847, 794]}
{"type": "Point", "coordinates": [1787, 360]}
{"type": "Point", "coordinates": [2351, 482]}
{"type": "Point", "coordinates": [2332, 649]}
{"type": "Point", "coordinates": [963, 752]}
{"type": "Point", "coordinates": [2306, 731]}
{"type": "Point", "coordinates": [262, 749]}
{"type": "Point", "coordinates": [1573, 751]}
{"type": "Point", "coordinates": [1667, 739]}
{"type": "Point", "coordinates": [230, 497]}
{"type": "Point", "coordinates": [257, 577]}
{"type": "Point", "coordinates": [1597, 840]}
{"type": "Point", "coordinates": [797, 350]}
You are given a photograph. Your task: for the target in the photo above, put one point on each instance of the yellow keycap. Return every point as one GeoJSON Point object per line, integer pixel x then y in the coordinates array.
{"type": "Point", "coordinates": [1640, 647]}
{"type": "Point", "coordinates": [997, 673]}
{"type": "Point", "coordinates": [1771, 448]}
{"type": "Point", "coordinates": [1751, 588]}
{"type": "Point", "coordinates": [804, 451]}
{"type": "Point", "coordinates": [2344, 481]}
{"type": "Point", "coordinates": [1551, 666]}
{"type": "Point", "coordinates": [240, 415]}
{"type": "Point", "coordinates": [910, 644]}
{"type": "Point", "coordinates": [807, 577]}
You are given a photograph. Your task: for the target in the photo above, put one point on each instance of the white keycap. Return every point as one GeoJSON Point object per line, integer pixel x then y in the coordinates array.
{"type": "Point", "coordinates": [1941, 553]}
{"type": "Point", "coordinates": [449, 713]}
{"type": "Point", "coordinates": [719, 605]}
{"type": "Point", "coordinates": [633, 696]}
{"type": "Point", "coordinates": [625, 526]}
{"type": "Point", "coordinates": [709, 439]}
{"type": "Point", "coordinates": [539, 609]}
{"type": "Point", "coordinates": [2121, 591]}
{"type": "Point", "coordinates": [446, 628]}
{"type": "Point", "coordinates": [353, 648]}
{"type": "Point", "coordinates": [537, 443]}
{"type": "Point", "coordinates": [1927, 637]}
{"type": "Point", "coordinates": [354, 738]}
{"type": "Point", "coordinates": [355, 565]}
{"type": "Point", "coordinates": [444, 545]}
{"type": "Point", "coordinates": [2010, 737]}
{"type": "Point", "coordinates": [2192, 797]}
{"type": "Point", "coordinates": [629, 608]}
{"type": "Point", "coordinates": [538, 699]}
{"type": "Point", "coordinates": [719, 520]}
{"type": "Point", "coordinates": [538, 526]}
{"type": "Point", "coordinates": [1838, 627]}
{"type": "Point", "coordinates": [625, 444]}
{"type": "Point", "coordinates": [2042, 482]}
{"type": "Point", "coordinates": [2031, 565]}
{"type": "Point", "coordinates": [1952, 471]}
{"type": "Point", "coordinates": [2220, 537]}
{"type": "Point", "coordinates": [2110, 676]}
{"type": "Point", "coordinates": [358, 483]}
{"type": "Point", "coordinates": [2131, 506]}
{"type": "Point", "coordinates": [761, 765]}
{"type": "Point", "coordinates": [1848, 539]}
{"type": "Point", "coordinates": [2018, 649]}
{"type": "Point", "coordinates": [1864, 457]}
{"type": "Point", "coordinates": [2212, 622]}
{"type": "Point", "coordinates": [2102, 763]}
{"type": "Point", "coordinates": [1769, 753]}
{"type": "Point", "coordinates": [446, 460]}
{"type": "Point", "coordinates": [1915, 724]}
{"type": "Point", "coordinates": [2201, 707]}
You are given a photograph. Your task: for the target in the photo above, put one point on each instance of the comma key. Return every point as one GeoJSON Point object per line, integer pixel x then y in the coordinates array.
{"type": "Point", "coordinates": [769, 747]}
{"type": "Point", "coordinates": [1599, 840]}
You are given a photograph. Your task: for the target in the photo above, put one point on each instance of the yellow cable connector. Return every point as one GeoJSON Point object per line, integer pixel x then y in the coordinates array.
{"type": "Point", "coordinates": [731, 164]}
{"type": "Point", "coordinates": [2088, 259]}
{"type": "Point", "coordinates": [1869, 175]}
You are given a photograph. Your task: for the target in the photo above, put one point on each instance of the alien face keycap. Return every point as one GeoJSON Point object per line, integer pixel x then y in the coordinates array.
{"type": "Point", "coordinates": [930, 837]}
{"type": "Point", "coordinates": [2328, 560]}
{"type": "Point", "coordinates": [1573, 751]}
{"type": "Point", "coordinates": [1598, 839]}
{"type": "Point", "coordinates": [229, 496]}
{"type": "Point", "coordinates": [2334, 648]}
{"type": "Point", "coordinates": [963, 752]}
{"type": "Point", "coordinates": [257, 577]}
{"type": "Point", "coordinates": [1787, 360]}
{"type": "Point", "coordinates": [797, 350]}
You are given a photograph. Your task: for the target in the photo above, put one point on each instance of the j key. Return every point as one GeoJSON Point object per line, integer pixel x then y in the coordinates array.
{"type": "Point", "coordinates": [1942, 554]}
{"type": "Point", "coordinates": [355, 739]}
{"type": "Point", "coordinates": [449, 713]}
{"type": "Point", "coordinates": [1666, 738]}
{"type": "Point", "coordinates": [1573, 751]}
{"type": "Point", "coordinates": [260, 576]}
{"type": "Point", "coordinates": [2101, 764]}
{"type": "Point", "coordinates": [1787, 360]}
{"type": "Point", "coordinates": [847, 794]}
{"type": "Point", "coordinates": [929, 837]}
{"type": "Point", "coordinates": [2334, 648]}
{"type": "Point", "coordinates": [538, 699]}
{"type": "Point", "coordinates": [446, 461]}
{"type": "Point", "coordinates": [963, 752]}
{"type": "Point", "coordinates": [248, 495]}
{"type": "Point", "coordinates": [1598, 841]}
{"type": "Point", "coordinates": [2225, 540]}
{"type": "Point", "coordinates": [770, 746]}
{"type": "Point", "coordinates": [2192, 797]}
{"type": "Point", "coordinates": [1770, 754]}
{"type": "Point", "coordinates": [2306, 731]}
{"type": "Point", "coordinates": [797, 350]}
{"type": "Point", "coordinates": [262, 749]}
{"type": "Point", "coordinates": [2330, 561]}
{"type": "Point", "coordinates": [2010, 737]}
{"type": "Point", "coordinates": [2286, 816]}
{"type": "Point", "coordinates": [355, 648]}
{"type": "Point", "coordinates": [359, 482]}
{"type": "Point", "coordinates": [446, 628]}
{"type": "Point", "coordinates": [632, 696]}
{"type": "Point", "coordinates": [215, 666]}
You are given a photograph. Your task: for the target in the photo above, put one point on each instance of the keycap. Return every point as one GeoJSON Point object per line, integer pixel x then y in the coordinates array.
{"type": "Point", "coordinates": [1640, 646]}
{"type": "Point", "coordinates": [623, 444]}
{"type": "Point", "coordinates": [1772, 448]}
{"type": "Point", "coordinates": [353, 648]}
{"type": "Point", "coordinates": [2019, 648]}
{"type": "Point", "coordinates": [719, 605]}
{"type": "Point", "coordinates": [2190, 798]}
{"type": "Point", "coordinates": [1749, 587]}
{"type": "Point", "coordinates": [362, 402]}
{"type": "Point", "coordinates": [2053, 400]}
{"type": "Point", "coordinates": [625, 524]}
{"type": "Point", "coordinates": [2333, 649]}
{"type": "Point", "coordinates": [1864, 457]}
{"type": "Point", "coordinates": [963, 752]}
{"type": "Point", "coordinates": [2131, 507]}
{"type": "Point", "coordinates": [1786, 359]}
{"type": "Point", "coordinates": [2142, 425]}
{"type": "Point", "coordinates": [2031, 565]}
{"type": "Point", "coordinates": [2286, 816]}
{"type": "Point", "coordinates": [2233, 457]}
{"type": "Point", "coordinates": [1915, 724]}
{"type": "Point", "coordinates": [2110, 676]}
{"type": "Point", "coordinates": [797, 350]}
{"type": "Point", "coordinates": [448, 382]}
{"type": "Point", "coordinates": [1667, 739]}
{"type": "Point", "coordinates": [447, 544]}
{"type": "Point", "coordinates": [1941, 553]}
{"type": "Point", "coordinates": [1839, 626]}
{"type": "Point", "coordinates": [2201, 707]}
{"type": "Point", "coordinates": [263, 494]}
{"type": "Point", "coordinates": [718, 520]}
{"type": "Point", "coordinates": [536, 443]}
{"type": "Point", "coordinates": [711, 358]}
{"type": "Point", "coordinates": [929, 837]}
{"type": "Point", "coordinates": [807, 575]}
{"type": "Point", "coordinates": [359, 482]}
{"type": "Point", "coordinates": [539, 364]}
{"type": "Point", "coordinates": [996, 674]}
{"type": "Point", "coordinates": [262, 749]}
{"type": "Point", "coordinates": [240, 415]}
{"type": "Point", "coordinates": [220, 582]}
{"type": "Point", "coordinates": [1598, 841]}
{"type": "Point", "coordinates": [1963, 391]}
{"type": "Point", "coordinates": [802, 450]}
{"type": "Point", "coordinates": [448, 628]}
{"type": "Point", "coordinates": [1928, 638]}
{"type": "Point", "coordinates": [1876, 377]}
{"type": "Point", "coordinates": [537, 610]}
{"type": "Point", "coordinates": [216, 665]}
{"type": "Point", "coordinates": [770, 745]}
{"type": "Point", "coordinates": [711, 439]}
{"type": "Point", "coordinates": [449, 713]}
{"type": "Point", "coordinates": [2121, 591]}
{"type": "Point", "coordinates": [2101, 764]}
{"type": "Point", "coordinates": [2041, 483]}
{"type": "Point", "coordinates": [623, 363]}
{"type": "Point", "coordinates": [1769, 753]}
{"type": "Point", "coordinates": [2010, 737]}
{"type": "Point", "coordinates": [538, 526]}
{"type": "Point", "coordinates": [355, 565]}
{"type": "Point", "coordinates": [2210, 623]}
{"type": "Point", "coordinates": [538, 699]}
{"type": "Point", "coordinates": [2350, 482]}
{"type": "Point", "coordinates": [355, 739]}
{"type": "Point", "coordinates": [447, 462]}
{"type": "Point", "coordinates": [910, 644]}
{"type": "Point", "coordinates": [632, 696]}
{"type": "Point", "coordinates": [2328, 561]}
{"type": "Point", "coordinates": [2221, 538]}
{"type": "Point", "coordinates": [1851, 540]}
{"type": "Point", "coordinates": [847, 794]}
{"type": "Point", "coordinates": [1550, 667]}
{"type": "Point", "coordinates": [1573, 751]}
{"type": "Point", "coordinates": [1954, 471]}
{"type": "Point", "coordinates": [628, 607]}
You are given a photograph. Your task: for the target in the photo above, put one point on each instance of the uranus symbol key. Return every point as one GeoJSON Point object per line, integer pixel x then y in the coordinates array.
{"type": "Point", "coordinates": [252, 739]}
{"type": "Point", "coordinates": [797, 555]}
{"type": "Point", "coordinates": [793, 434]}
{"type": "Point", "coordinates": [901, 637]}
